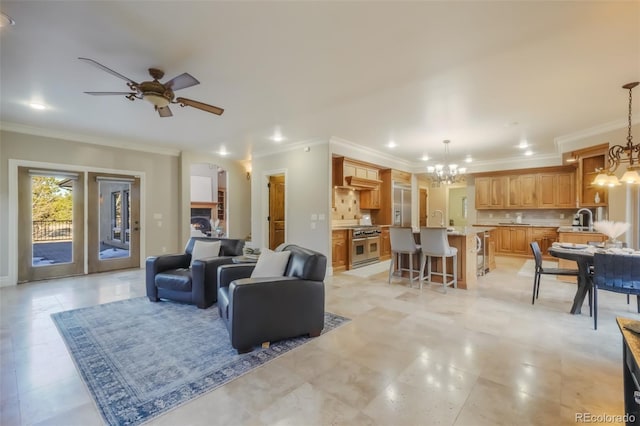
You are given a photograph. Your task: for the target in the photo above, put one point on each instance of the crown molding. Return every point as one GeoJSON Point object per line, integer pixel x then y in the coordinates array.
{"type": "Point", "coordinates": [372, 154]}
{"type": "Point", "coordinates": [88, 139]}
{"type": "Point", "coordinates": [564, 140]}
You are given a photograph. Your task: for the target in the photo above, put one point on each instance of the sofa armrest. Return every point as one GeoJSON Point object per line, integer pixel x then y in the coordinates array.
{"type": "Point", "coordinates": [168, 261]}
{"type": "Point", "coordinates": [232, 272]}
{"type": "Point", "coordinates": [157, 264]}
{"type": "Point", "coordinates": [204, 279]}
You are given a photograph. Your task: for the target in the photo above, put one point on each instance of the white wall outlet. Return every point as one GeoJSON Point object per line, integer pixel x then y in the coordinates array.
{"type": "Point", "coordinates": [164, 249]}
{"type": "Point", "coordinates": [159, 224]}
{"type": "Point", "coordinates": [561, 215]}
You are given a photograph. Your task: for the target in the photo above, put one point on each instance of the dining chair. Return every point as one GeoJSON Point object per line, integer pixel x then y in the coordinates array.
{"type": "Point", "coordinates": [615, 272]}
{"type": "Point", "coordinates": [402, 242]}
{"type": "Point", "coordinates": [435, 243]}
{"type": "Point", "coordinates": [540, 270]}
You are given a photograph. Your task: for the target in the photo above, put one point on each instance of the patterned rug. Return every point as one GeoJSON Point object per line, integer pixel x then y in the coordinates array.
{"type": "Point", "coordinates": [140, 359]}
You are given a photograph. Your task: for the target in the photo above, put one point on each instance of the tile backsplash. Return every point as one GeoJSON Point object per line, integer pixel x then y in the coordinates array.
{"type": "Point", "coordinates": [346, 204]}
{"type": "Point", "coordinates": [559, 217]}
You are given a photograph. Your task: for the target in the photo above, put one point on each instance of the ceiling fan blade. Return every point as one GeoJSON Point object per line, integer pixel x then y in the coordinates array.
{"type": "Point", "coordinates": [110, 93]}
{"type": "Point", "coordinates": [182, 81]}
{"type": "Point", "coordinates": [204, 107]}
{"type": "Point", "coordinates": [109, 70]}
{"type": "Point", "coordinates": [164, 111]}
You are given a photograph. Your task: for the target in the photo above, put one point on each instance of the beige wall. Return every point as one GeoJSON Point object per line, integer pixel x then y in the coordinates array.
{"type": "Point", "coordinates": [165, 179]}
{"type": "Point", "coordinates": [308, 192]}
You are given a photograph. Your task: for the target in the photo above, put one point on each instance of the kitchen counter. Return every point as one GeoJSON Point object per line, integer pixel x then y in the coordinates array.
{"type": "Point", "coordinates": [468, 230]}
{"type": "Point", "coordinates": [525, 225]}
{"type": "Point", "coordinates": [580, 229]}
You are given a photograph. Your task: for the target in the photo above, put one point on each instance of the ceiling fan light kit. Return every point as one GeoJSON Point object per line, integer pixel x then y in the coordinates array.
{"type": "Point", "coordinates": [160, 95]}
{"type": "Point", "coordinates": [622, 154]}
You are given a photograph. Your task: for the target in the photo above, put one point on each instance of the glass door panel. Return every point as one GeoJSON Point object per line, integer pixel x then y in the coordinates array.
{"type": "Point", "coordinates": [51, 224]}
{"type": "Point", "coordinates": [114, 222]}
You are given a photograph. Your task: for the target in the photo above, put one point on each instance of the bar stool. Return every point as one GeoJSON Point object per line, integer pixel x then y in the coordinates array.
{"type": "Point", "coordinates": [435, 243]}
{"type": "Point", "coordinates": [402, 242]}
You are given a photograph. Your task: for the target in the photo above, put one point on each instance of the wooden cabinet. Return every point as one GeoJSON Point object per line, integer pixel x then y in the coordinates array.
{"type": "Point", "coordinates": [556, 190]}
{"type": "Point", "coordinates": [348, 172]}
{"type": "Point", "coordinates": [590, 161]}
{"type": "Point", "coordinates": [370, 199]}
{"type": "Point", "coordinates": [545, 237]}
{"type": "Point", "coordinates": [222, 205]}
{"type": "Point", "coordinates": [339, 252]}
{"type": "Point", "coordinates": [489, 192]}
{"type": "Point", "coordinates": [540, 188]}
{"type": "Point", "coordinates": [513, 240]}
{"type": "Point", "coordinates": [491, 250]}
{"type": "Point", "coordinates": [521, 191]}
{"type": "Point", "coordinates": [401, 177]}
{"type": "Point", "coordinates": [385, 244]}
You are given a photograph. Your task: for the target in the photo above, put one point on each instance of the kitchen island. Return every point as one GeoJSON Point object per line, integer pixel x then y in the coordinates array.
{"type": "Point", "coordinates": [464, 239]}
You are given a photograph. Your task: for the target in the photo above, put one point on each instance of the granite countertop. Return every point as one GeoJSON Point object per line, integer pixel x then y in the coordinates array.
{"type": "Point", "coordinates": [467, 230]}
{"type": "Point", "coordinates": [529, 225]}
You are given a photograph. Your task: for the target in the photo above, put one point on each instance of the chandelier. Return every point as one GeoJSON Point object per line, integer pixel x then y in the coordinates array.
{"type": "Point", "coordinates": [622, 154]}
{"type": "Point", "coordinates": [447, 173]}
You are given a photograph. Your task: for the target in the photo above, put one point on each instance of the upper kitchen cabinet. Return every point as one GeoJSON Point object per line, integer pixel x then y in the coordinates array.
{"type": "Point", "coordinates": [521, 191]}
{"type": "Point", "coordinates": [489, 192]}
{"type": "Point", "coordinates": [398, 176]}
{"type": "Point", "coordinates": [355, 174]}
{"type": "Point", "coordinates": [590, 162]}
{"type": "Point", "coordinates": [557, 190]}
{"type": "Point", "coordinates": [539, 188]}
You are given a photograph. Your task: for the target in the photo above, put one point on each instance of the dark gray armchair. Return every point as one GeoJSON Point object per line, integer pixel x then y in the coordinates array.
{"type": "Point", "coordinates": [258, 310]}
{"type": "Point", "coordinates": [169, 276]}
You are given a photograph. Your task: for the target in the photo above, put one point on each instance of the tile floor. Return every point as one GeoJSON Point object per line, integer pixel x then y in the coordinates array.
{"type": "Point", "coordinates": [408, 357]}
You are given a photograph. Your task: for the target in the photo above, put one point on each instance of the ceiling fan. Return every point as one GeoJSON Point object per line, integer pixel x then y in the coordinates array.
{"type": "Point", "coordinates": [159, 94]}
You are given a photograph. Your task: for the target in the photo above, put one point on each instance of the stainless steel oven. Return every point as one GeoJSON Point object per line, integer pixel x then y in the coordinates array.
{"type": "Point", "coordinates": [365, 246]}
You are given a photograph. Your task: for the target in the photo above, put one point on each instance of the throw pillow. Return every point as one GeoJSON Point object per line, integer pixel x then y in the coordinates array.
{"type": "Point", "coordinates": [204, 250]}
{"type": "Point", "coordinates": [271, 264]}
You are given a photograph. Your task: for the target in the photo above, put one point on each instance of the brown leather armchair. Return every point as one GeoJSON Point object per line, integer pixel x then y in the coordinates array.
{"type": "Point", "coordinates": [170, 277]}
{"type": "Point", "coordinates": [258, 310]}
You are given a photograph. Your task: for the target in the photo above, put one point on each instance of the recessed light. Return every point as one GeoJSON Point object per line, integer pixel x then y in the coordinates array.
{"type": "Point", "coordinates": [528, 152]}
{"type": "Point", "coordinates": [425, 157]}
{"type": "Point", "coordinates": [5, 20]}
{"type": "Point", "coordinates": [223, 152]}
{"type": "Point", "coordinates": [391, 144]}
{"type": "Point", "coordinates": [37, 106]}
{"type": "Point", "coordinates": [468, 159]}
{"type": "Point", "coordinates": [523, 145]}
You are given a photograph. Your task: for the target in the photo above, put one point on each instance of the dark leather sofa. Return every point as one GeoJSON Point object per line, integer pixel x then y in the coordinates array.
{"type": "Point", "coordinates": [258, 310]}
{"type": "Point", "coordinates": [169, 276]}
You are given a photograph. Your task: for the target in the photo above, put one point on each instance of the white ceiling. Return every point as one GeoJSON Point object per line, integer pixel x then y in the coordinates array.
{"type": "Point", "coordinates": [483, 74]}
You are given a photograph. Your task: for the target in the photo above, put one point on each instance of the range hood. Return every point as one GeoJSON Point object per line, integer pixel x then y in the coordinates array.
{"type": "Point", "coordinates": [362, 183]}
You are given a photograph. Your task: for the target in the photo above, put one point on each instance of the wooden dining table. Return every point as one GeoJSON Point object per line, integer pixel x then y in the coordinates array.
{"type": "Point", "coordinates": [584, 259]}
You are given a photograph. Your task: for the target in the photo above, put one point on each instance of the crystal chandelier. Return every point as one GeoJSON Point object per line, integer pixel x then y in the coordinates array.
{"type": "Point", "coordinates": [617, 154]}
{"type": "Point", "coordinates": [447, 173]}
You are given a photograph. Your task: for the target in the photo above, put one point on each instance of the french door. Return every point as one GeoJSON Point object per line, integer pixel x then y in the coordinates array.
{"type": "Point", "coordinates": [113, 222]}
{"type": "Point", "coordinates": [52, 242]}
{"type": "Point", "coordinates": [50, 224]}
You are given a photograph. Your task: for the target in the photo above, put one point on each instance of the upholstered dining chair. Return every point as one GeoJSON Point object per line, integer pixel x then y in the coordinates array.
{"type": "Point", "coordinates": [615, 272]}
{"type": "Point", "coordinates": [402, 242]}
{"type": "Point", "coordinates": [435, 243]}
{"type": "Point", "coordinates": [540, 270]}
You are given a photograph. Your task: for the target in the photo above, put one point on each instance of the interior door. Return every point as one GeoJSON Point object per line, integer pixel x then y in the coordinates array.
{"type": "Point", "coordinates": [113, 222]}
{"type": "Point", "coordinates": [276, 210]}
{"type": "Point", "coordinates": [50, 224]}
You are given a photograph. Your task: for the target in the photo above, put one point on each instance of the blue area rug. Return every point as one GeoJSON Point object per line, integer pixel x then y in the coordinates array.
{"type": "Point", "coordinates": [140, 359]}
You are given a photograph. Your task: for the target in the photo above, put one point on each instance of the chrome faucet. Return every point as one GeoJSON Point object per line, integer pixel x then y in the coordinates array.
{"type": "Point", "coordinates": [590, 216]}
{"type": "Point", "coordinates": [441, 217]}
